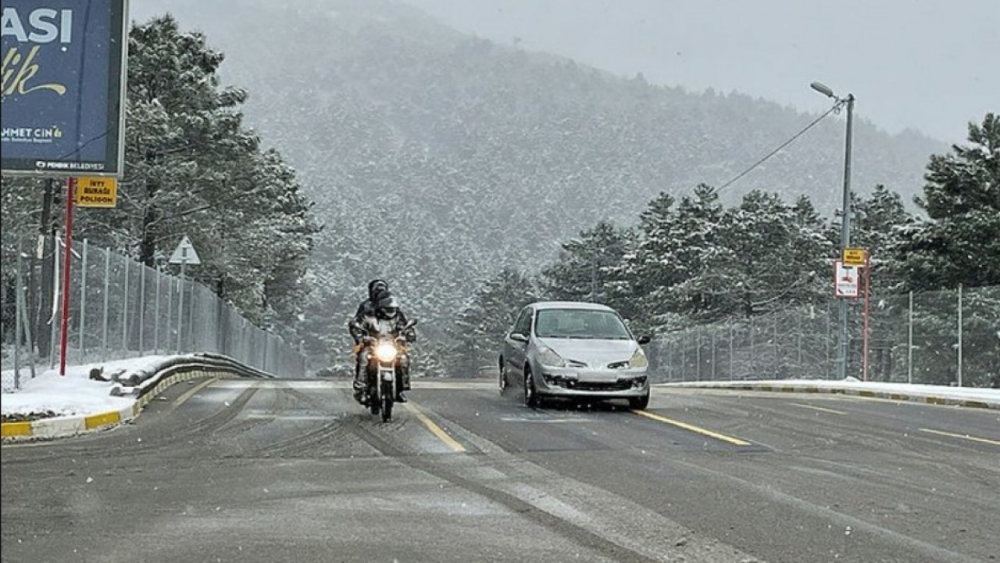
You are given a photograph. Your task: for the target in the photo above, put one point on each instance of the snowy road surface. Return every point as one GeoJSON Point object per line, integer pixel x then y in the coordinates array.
{"type": "Point", "coordinates": [294, 471]}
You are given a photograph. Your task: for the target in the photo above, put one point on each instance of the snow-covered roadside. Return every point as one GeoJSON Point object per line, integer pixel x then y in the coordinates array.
{"type": "Point", "coordinates": [897, 391]}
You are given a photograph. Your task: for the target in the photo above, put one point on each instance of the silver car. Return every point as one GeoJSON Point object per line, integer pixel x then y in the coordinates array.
{"type": "Point", "coordinates": [577, 351]}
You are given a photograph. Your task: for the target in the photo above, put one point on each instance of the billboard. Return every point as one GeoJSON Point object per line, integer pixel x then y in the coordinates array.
{"type": "Point", "coordinates": [63, 91]}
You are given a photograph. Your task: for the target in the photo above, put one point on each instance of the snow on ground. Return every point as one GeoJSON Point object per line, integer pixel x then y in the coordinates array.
{"type": "Point", "coordinates": [74, 394]}
{"type": "Point", "coordinates": [960, 393]}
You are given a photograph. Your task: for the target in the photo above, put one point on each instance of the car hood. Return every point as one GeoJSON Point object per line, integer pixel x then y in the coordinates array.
{"type": "Point", "coordinates": [595, 353]}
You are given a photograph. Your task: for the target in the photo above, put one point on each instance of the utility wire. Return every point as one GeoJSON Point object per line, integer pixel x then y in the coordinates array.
{"type": "Point", "coordinates": [835, 108]}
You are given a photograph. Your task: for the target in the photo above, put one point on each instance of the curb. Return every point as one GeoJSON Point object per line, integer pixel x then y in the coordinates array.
{"type": "Point", "coordinates": [867, 393]}
{"type": "Point", "coordinates": [65, 426]}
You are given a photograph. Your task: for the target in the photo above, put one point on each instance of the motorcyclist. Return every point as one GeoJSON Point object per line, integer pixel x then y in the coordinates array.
{"type": "Point", "coordinates": [366, 309]}
{"type": "Point", "coordinates": [378, 294]}
{"type": "Point", "coordinates": [388, 309]}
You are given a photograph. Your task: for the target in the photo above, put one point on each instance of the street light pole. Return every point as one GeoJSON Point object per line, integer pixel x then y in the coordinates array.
{"type": "Point", "coordinates": [845, 225]}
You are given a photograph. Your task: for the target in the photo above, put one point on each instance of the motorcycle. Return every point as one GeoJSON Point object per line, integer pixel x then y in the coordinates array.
{"type": "Point", "coordinates": [387, 348]}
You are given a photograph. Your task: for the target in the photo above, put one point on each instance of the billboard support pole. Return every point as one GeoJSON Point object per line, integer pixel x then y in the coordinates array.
{"type": "Point", "coordinates": [67, 262]}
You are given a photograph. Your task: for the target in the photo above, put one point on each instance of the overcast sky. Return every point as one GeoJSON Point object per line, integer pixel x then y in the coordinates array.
{"type": "Point", "coordinates": [929, 65]}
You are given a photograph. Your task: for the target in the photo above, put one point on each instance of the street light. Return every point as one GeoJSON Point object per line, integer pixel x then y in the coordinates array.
{"type": "Point", "coordinates": [845, 225]}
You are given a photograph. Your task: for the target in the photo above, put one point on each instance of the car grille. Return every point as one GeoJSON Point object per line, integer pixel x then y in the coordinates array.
{"type": "Point", "coordinates": [600, 386]}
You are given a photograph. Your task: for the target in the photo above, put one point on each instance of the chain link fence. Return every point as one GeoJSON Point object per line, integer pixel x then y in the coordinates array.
{"type": "Point", "coordinates": [119, 309]}
{"type": "Point", "coordinates": [947, 337]}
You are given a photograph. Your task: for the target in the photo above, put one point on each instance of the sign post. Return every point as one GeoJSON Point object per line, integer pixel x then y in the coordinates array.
{"type": "Point", "coordinates": [67, 260]}
{"type": "Point", "coordinates": [184, 254]}
{"type": "Point", "coordinates": [868, 283]}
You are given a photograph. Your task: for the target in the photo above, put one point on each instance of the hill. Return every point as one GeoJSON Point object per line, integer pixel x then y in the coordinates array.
{"type": "Point", "coordinates": [437, 158]}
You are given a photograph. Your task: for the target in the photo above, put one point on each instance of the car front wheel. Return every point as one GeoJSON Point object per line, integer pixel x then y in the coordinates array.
{"type": "Point", "coordinates": [502, 379]}
{"type": "Point", "coordinates": [530, 394]}
{"type": "Point", "coordinates": [639, 403]}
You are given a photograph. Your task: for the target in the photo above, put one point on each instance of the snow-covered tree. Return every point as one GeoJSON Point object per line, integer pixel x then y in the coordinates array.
{"type": "Point", "coordinates": [585, 270]}
{"type": "Point", "coordinates": [479, 330]}
{"type": "Point", "coordinates": [960, 243]}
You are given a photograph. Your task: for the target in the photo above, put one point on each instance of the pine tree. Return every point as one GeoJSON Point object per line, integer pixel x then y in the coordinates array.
{"type": "Point", "coordinates": [960, 244]}
{"type": "Point", "coordinates": [586, 266]}
{"type": "Point", "coordinates": [478, 333]}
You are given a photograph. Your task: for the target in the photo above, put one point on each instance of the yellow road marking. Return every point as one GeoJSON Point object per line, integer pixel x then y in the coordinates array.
{"type": "Point", "coordinates": [693, 428]}
{"type": "Point", "coordinates": [821, 409]}
{"type": "Point", "coordinates": [434, 428]}
{"type": "Point", "coordinates": [962, 436]}
{"type": "Point", "coordinates": [190, 392]}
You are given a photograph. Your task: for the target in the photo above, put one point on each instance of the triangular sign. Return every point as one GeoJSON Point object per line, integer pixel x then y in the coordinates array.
{"type": "Point", "coordinates": [185, 253]}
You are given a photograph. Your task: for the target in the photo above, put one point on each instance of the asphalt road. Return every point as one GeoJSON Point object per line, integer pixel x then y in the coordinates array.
{"type": "Point", "coordinates": [294, 471]}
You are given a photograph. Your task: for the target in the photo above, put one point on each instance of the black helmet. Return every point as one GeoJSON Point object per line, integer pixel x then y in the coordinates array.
{"type": "Point", "coordinates": [375, 287]}
{"type": "Point", "coordinates": [387, 307]}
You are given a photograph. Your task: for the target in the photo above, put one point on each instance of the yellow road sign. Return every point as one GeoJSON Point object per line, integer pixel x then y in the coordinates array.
{"type": "Point", "coordinates": [854, 257]}
{"type": "Point", "coordinates": [96, 192]}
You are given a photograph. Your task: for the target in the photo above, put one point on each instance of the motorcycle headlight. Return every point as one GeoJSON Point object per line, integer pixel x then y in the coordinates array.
{"type": "Point", "coordinates": [385, 352]}
{"type": "Point", "coordinates": [548, 357]}
{"type": "Point", "coordinates": [638, 359]}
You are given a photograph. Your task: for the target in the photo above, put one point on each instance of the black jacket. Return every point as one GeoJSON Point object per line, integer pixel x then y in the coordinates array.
{"type": "Point", "coordinates": [367, 309]}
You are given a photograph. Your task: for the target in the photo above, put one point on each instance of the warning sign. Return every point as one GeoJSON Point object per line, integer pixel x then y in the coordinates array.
{"type": "Point", "coordinates": [854, 257]}
{"type": "Point", "coordinates": [846, 282]}
{"type": "Point", "coordinates": [96, 192]}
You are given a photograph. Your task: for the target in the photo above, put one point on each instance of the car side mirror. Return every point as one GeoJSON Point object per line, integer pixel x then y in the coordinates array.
{"type": "Point", "coordinates": [518, 337]}
{"type": "Point", "coordinates": [645, 339]}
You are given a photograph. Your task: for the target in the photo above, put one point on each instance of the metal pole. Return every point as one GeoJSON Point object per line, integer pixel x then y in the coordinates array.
{"type": "Point", "coordinates": [826, 341]}
{"type": "Point", "coordinates": [142, 307]}
{"type": "Point", "coordinates": [125, 311]}
{"type": "Point", "coordinates": [959, 335]}
{"type": "Point", "coordinates": [868, 284]}
{"type": "Point", "coordinates": [170, 312]}
{"type": "Point", "coordinates": [732, 336]}
{"type": "Point", "coordinates": [68, 257]}
{"type": "Point", "coordinates": [845, 233]}
{"type": "Point", "coordinates": [180, 310]}
{"type": "Point", "coordinates": [156, 317]}
{"type": "Point", "coordinates": [53, 327]}
{"type": "Point", "coordinates": [107, 300]}
{"type": "Point", "coordinates": [18, 310]}
{"type": "Point", "coordinates": [714, 356]}
{"type": "Point", "coordinates": [697, 353]}
{"type": "Point", "coordinates": [83, 302]}
{"type": "Point", "coordinates": [798, 337]}
{"type": "Point", "coordinates": [909, 343]}
{"type": "Point", "coordinates": [27, 331]}
{"type": "Point", "coordinates": [777, 352]}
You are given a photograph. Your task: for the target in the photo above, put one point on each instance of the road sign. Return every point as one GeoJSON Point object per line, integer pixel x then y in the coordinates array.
{"type": "Point", "coordinates": [185, 254]}
{"type": "Point", "coordinates": [846, 282]}
{"type": "Point", "coordinates": [854, 257]}
{"type": "Point", "coordinates": [96, 192]}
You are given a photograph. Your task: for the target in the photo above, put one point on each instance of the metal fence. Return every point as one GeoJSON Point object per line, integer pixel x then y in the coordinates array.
{"type": "Point", "coordinates": [120, 309]}
{"type": "Point", "coordinates": [948, 337]}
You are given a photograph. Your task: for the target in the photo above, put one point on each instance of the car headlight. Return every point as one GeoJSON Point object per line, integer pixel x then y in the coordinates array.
{"type": "Point", "coordinates": [385, 352]}
{"type": "Point", "coordinates": [548, 357]}
{"type": "Point", "coordinates": [638, 359]}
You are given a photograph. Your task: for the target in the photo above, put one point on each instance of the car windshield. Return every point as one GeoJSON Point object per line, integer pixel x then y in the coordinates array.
{"type": "Point", "coordinates": [590, 324]}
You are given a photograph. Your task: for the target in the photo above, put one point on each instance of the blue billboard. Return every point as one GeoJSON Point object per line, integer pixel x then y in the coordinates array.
{"type": "Point", "coordinates": [62, 97]}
